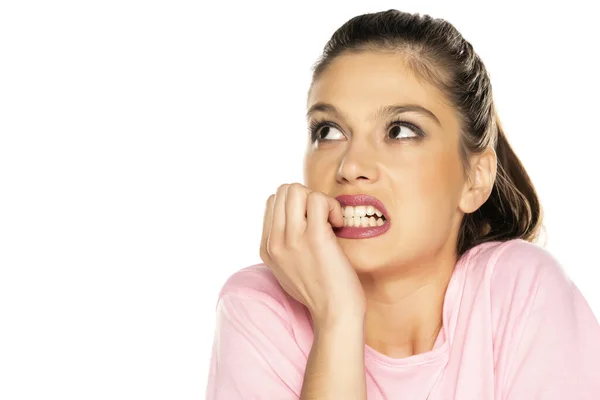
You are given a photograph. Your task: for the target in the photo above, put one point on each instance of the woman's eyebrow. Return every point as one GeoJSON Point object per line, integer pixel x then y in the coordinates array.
{"type": "Point", "coordinates": [402, 108]}
{"type": "Point", "coordinates": [383, 111]}
{"type": "Point", "coordinates": [325, 108]}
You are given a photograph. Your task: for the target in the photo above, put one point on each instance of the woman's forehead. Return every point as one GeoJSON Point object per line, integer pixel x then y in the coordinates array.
{"type": "Point", "coordinates": [365, 82]}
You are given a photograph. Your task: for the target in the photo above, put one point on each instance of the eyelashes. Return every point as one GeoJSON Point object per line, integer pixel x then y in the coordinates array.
{"type": "Point", "coordinates": [321, 130]}
{"type": "Point", "coordinates": [316, 131]}
{"type": "Point", "coordinates": [418, 133]}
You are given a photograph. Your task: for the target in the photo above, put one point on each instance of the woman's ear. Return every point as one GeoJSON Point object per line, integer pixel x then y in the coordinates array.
{"type": "Point", "coordinates": [480, 180]}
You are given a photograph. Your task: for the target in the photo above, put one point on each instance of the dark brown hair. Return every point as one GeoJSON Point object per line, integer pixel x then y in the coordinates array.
{"type": "Point", "coordinates": [437, 52]}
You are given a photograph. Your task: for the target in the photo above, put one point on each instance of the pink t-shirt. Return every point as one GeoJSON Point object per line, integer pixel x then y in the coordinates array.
{"type": "Point", "coordinates": [514, 327]}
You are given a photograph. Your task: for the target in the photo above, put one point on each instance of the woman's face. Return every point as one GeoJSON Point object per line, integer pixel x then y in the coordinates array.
{"type": "Point", "coordinates": [383, 132]}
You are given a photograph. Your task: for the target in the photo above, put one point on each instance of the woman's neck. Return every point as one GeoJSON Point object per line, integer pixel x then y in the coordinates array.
{"type": "Point", "coordinates": [404, 312]}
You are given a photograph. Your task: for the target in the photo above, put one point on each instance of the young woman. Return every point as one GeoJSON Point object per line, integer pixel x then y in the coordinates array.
{"type": "Point", "coordinates": [403, 269]}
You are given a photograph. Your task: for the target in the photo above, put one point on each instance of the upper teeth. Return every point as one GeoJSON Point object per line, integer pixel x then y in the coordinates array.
{"type": "Point", "coordinates": [361, 211]}
{"type": "Point", "coordinates": [362, 216]}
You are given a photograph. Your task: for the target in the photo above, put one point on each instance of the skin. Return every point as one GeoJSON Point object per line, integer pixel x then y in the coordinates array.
{"type": "Point", "coordinates": [421, 182]}
{"type": "Point", "coordinates": [386, 291]}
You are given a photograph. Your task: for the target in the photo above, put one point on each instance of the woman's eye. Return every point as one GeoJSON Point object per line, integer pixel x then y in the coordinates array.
{"type": "Point", "coordinates": [402, 131]}
{"type": "Point", "coordinates": [329, 132]}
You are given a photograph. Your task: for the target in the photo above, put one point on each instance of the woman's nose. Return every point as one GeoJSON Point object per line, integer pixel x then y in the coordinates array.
{"type": "Point", "coordinates": [357, 164]}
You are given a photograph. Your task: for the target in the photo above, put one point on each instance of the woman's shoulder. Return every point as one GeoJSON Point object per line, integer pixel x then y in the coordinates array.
{"type": "Point", "coordinates": [254, 298]}
{"type": "Point", "coordinates": [256, 281]}
{"type": "Point", "coordinates": [516, 266]}
{"type": "Point", "coordinates": [515, 258]}
{"type": "Point", "coordinates": [256, 286]}
{"type": "Point", "coordinates": [259, 327]}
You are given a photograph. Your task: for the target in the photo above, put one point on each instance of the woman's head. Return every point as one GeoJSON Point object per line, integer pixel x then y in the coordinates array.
{"type": "Point", "coordinates": [401, 108]}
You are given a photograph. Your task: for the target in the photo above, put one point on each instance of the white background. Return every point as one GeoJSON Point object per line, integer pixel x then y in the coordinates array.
{"type": "Point", "coordinates": [140, 140]}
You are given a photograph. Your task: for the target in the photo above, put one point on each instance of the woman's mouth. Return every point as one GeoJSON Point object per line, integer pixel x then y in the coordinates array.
{"type": "Point", "coordinates": [364, 217]}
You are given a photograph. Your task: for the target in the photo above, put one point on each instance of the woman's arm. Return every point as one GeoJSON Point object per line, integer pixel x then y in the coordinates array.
{"type": "Point", "coordinates": [335, 368]}
{"type": "Point", "coordinates": [302, 251]}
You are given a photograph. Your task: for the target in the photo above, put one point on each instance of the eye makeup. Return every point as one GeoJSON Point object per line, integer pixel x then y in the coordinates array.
{"type": "Point", "coordinates": [320, 128]}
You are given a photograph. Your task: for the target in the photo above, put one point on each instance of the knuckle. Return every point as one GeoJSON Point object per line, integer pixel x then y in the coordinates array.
{"type": "Point", "coordinates": [294, 243]}
{"type": "Point", "coordinates": [269, 204]}
{"type": "Point", "coordinates": [282, 188]}
{"type": "Point", "coordinates": [264, 256]}
{"type": "Point", "coordinates": [316, 197]}
{"type": "Point", "coordinates": [274, 249]}
{"type": "Point", "coordinates": [295, 190]}
{"type": "Point", "coordinates": [315, 235]}
{"type": "Point", "coordinates": [296, 187]}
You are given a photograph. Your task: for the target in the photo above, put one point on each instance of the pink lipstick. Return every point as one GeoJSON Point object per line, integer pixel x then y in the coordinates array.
{"type": "Point", "coordinates": [364, 217]}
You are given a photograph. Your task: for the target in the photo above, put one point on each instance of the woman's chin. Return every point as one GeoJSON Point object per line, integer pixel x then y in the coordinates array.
{"type": "Point", "coordinates": [363, 259]}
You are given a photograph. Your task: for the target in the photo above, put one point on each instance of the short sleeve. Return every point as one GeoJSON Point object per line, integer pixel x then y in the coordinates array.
{"type": "Point", "coordinates": [254, 354]}
{"type": "Point", "coordinates": [549, 346]}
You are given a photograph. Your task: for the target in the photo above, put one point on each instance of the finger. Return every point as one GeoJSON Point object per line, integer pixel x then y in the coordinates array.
{"type": "Point", "coordinates": [322, 209]}
{"type": "Point", "coordinates": [268, 218]}
{"type": "Point", "coordinates": [336, 214]}
{"type": "Point", "coordinates": [295, 212]}
{"type": "Point", "coordinates": [277, 235]}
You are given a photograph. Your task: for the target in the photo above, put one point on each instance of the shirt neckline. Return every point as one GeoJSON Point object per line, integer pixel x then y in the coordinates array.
{"type": "Point", "coordinates": [443, 343]}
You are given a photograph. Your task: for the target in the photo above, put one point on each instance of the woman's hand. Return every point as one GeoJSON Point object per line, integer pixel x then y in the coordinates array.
{"type": "Point", "coordinates": [299, 246]}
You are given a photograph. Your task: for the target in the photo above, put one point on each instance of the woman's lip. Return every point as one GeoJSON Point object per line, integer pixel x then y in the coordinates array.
{"type": "Point", "coordinates": [362, 200]}
{"type": "Point", "coordinates": [353, 232]}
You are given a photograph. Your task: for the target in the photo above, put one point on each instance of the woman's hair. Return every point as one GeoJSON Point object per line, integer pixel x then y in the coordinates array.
{"type": "Point", "coordinates": [437, 52]}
